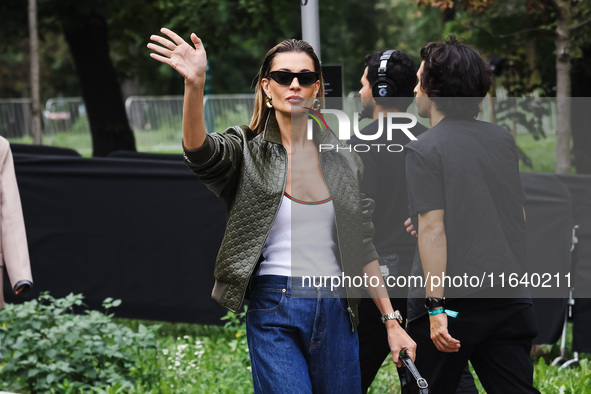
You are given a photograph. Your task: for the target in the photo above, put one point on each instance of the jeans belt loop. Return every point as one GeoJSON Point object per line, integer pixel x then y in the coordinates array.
{"type": "Point", "coordinates": [288, 287]}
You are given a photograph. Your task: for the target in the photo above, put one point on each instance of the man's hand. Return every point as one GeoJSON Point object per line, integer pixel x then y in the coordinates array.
{"type": "Point", "coordinates": [399, 340]}
{"type": "Point", "coordinates": [440, 335]}
{"type": "Point", "coordinates": [410, 228]}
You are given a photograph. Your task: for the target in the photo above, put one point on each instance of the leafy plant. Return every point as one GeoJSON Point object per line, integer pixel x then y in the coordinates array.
{"type": "Point", "coordinates": [573, 380]}
{"type": "Point", "coordinates": [48, 348]}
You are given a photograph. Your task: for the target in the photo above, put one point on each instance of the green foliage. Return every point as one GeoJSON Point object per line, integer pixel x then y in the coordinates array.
{"type": "Point", "coordinates": [386, 380]}
{"type": "Point", "coordinates": [541, 152]}
{"type": "Point", "coordinates": [573, 380]}
{"type": "Point", "coordinates": [494, 31]}
{"type": "Point", "coordinates": [521, 32]}
{"type": "Point", "coordinates": [47, 348]}
{"type": "Point", "coordinates": [215, 361]}
{"type": "Point", "coordinates": [404, 26]}
{"type": "Point", "coordinates": [547, 378]}
{"type": "Point", "coordinates": [348, 33]}
{"type": "Point", "coordinates": [236, 35]}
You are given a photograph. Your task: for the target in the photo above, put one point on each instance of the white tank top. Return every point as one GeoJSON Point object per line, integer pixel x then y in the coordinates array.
{"type": "Point", "coordinates": [302, 240]}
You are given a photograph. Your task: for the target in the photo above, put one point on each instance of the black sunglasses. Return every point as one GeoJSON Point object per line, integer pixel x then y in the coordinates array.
{"type": "Point", "coordinates": [284, 77]}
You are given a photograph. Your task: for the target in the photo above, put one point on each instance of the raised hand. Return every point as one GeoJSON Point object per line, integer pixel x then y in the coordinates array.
{"type": "Point", "coordinates": [190, 62]}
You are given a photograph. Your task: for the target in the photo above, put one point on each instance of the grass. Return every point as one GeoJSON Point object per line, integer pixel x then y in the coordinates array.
{"type": "Point", "coordinates": [214, 359]}
{"type": "Point", "coordinates": [201, 358]}
{"type": "Point", "coordinates": [95, 351]}
{"type": "Point", "coordinates": [550, 379]}
{"type": "Point", "coordinates": [542, 152]}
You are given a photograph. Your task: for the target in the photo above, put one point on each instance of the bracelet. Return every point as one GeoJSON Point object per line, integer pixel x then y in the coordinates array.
{"type": "Point", "coordinates": [392, 316]}
{"type": "Point", "coordinates": [435, 312]}
{"type": "Point", "coordinates": [439, 311]}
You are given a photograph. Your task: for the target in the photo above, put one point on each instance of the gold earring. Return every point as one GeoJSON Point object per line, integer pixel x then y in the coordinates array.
{"type": "Point", "coordinates": [316, 104]}
{"type": "Point", "coordinates": [269, 102]}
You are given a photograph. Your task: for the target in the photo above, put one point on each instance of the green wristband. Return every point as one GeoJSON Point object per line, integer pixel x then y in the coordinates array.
{"type": "Point", "coordinates": [437, 311]}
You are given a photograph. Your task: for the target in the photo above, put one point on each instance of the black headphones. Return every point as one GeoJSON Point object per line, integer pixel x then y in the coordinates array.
{"type": "Point", "coordinates": [384, 86]}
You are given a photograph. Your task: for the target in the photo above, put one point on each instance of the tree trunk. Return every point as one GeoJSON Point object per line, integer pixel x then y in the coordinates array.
{"type": "Point", "coordinates": [34, 51]}
{"type": "Point", "coordinates": [563, 88]}
{"type": "Point", "coordinates": [87, 38]}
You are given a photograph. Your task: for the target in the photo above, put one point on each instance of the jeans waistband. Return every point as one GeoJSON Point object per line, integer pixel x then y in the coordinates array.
{"type": "Point", "coordinates": [297, 286]}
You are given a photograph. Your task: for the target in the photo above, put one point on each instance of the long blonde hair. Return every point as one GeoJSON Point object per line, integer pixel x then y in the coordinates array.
{"type": "Point", "coordinates": [261, 111]}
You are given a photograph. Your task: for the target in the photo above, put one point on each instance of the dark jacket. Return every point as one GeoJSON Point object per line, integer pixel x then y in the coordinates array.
{"type": "Point", "coordinates": [249, 172]}
{"type": "Point", "coordinates": [384, 181]}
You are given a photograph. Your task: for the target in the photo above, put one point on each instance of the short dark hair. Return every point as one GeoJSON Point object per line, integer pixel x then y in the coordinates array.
{"type": "Point", "coordinates": [454, 69]}
{"type": "Point", "coordinates": [401, 70]}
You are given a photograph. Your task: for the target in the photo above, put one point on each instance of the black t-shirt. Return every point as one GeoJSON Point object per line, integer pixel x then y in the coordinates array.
{"type": "Point", "coordinates": [470, 170]}
{"type": "Point", "coordinates": [384, 181]}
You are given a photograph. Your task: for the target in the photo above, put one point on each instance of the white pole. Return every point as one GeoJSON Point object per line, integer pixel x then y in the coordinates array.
{"type": "Point", "coordinates": [311, 25]}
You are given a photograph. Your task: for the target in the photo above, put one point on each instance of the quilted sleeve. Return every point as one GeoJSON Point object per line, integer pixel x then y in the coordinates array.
{"type": "Point", "coordinates": [217, 163]}
{"type": "Point", "coordinates": [369, 251]}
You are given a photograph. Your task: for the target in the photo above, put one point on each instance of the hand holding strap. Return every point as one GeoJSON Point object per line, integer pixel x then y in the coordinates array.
{"type": "Point", "coordinates": [421, 382]}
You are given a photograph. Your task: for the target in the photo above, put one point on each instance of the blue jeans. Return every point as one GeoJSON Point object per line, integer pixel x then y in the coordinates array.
{"type": "Point", "coordinates": [300, 345]}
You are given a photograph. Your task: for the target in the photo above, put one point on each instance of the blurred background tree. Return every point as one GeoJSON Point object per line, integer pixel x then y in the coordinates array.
{"type": "Point", "coordinates": [539, 41]}
{"type": "Point", "coordinates": [97, 49]}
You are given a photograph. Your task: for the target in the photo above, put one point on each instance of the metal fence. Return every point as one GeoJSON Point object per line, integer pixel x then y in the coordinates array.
{"type": "Point", "coordinates": [155, 120]}
{"type": "Point", "coordinates": [65, 114]}
{"type": "Point", "coordinates": [520, 115]}
{"type": "Point", "coordinates": [222, 111]}
{"type": "Point", "coordinates": [16, 118]}
{"type": "Point", "coordinates": [66, 124]}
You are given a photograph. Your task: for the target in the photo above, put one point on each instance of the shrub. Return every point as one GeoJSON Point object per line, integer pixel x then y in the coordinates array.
{"type": "Point", "coordinates": [47, 348]}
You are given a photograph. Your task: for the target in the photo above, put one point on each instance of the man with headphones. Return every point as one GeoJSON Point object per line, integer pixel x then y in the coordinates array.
{"type": "Point", "coordinates": [387, 86]}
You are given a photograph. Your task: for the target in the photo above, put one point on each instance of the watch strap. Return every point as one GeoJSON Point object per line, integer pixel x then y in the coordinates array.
{"type": "Point", "coordinates": [432, 303]}
{"type": "Point", "coordinates": [392, 316]}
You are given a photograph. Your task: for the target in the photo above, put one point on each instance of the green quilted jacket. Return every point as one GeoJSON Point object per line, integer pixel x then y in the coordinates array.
{"type": "Point", "coordinates": [249, 172]}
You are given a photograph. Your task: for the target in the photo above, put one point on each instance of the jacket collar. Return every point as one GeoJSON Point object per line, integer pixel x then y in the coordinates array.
{"type": "Point", "coordinates": [271, 131]}
{"type": "Point", "coordinates": [326, 137]}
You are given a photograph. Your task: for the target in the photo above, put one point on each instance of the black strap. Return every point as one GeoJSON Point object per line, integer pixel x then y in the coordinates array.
{"type": "Point", "coordinates": [420, 381]}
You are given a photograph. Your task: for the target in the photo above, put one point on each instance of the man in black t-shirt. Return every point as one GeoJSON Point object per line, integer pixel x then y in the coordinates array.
{"type": "Point", "coordinates": [384, 181]}
{"type": "Point", "coordinates": [466, 198]}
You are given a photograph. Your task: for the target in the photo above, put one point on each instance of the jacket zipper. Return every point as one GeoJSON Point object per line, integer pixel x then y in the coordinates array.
{"type": "Point", "coordinates": [250, 272]}
{"type": "Point", "coordinates": [349, 309]}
